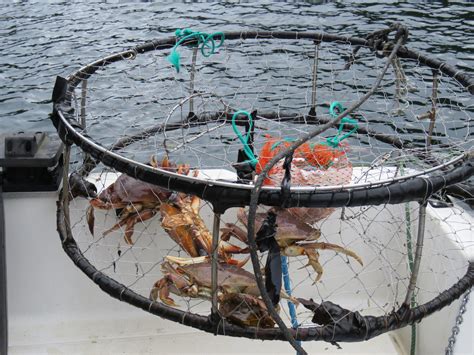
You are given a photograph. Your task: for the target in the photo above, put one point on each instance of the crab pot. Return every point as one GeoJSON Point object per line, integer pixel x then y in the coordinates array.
{"type": "Point", "coordinates": [355, 161]}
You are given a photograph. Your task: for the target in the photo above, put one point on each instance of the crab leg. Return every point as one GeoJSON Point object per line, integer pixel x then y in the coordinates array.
{"type": "Point", "coordinates": [313, 260]}
{"type": "Point", "coordinates": [335, 247]}
{"type": "Point", "coordinates": [130, 222]}
{"type": "Point", "coordinates": [102, 205]}
{"type": "Point", "coordinates": [186, 261]}
{"type": "Point", "coordinates": [97, 203]}
{"type": "Point", "coordinates": [232, 230]}
{"type": "Point", "coordinates": [201, 259]}
{"type": "Point", "coordinates": [90, 218]}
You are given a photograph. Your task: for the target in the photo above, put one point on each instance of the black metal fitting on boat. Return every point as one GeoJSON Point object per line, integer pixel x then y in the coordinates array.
{"type": "Point", "coordinates": [30, 162]}
{"type": "Point", "coordinates": [3, 282]}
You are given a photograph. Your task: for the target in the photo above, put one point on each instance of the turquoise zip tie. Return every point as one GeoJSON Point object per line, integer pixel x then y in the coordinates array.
{"type": "Point", "coordinates": [206, 41]}
{"type": "Point", "coordinates": [244, 140]}
{"type": "Point", "coordinates": [334, 141]}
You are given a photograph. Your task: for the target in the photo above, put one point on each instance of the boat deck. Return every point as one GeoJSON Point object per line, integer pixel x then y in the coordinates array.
{"type": "Point", "coordinates": [55, 309]}
{"type": "Point", "coordinates": [146, 334]}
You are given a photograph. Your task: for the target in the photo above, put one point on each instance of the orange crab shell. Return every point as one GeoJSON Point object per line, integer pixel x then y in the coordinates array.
{"type": "Point", "coordinates": [319, 156]}
{"type": "Point", "coordinates": [266, 153]}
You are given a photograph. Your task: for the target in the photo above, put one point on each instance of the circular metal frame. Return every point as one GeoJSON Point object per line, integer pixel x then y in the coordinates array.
{"type": "Point", "coordinates": [414, 187]}
{"type": "Point", "coordinates": [374, 326]}
{"type": "Point", "coordinates": [237, 194]}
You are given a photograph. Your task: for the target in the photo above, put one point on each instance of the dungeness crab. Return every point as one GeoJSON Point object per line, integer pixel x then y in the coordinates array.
{"type": "Point", "coordinates": [237, 289]}
{"type": "Point", "coordinates": [136, 200]}
{"type": "Point", "coordinates": [294, 237]}
{"type": "Point", "coordinates": [181, 219]}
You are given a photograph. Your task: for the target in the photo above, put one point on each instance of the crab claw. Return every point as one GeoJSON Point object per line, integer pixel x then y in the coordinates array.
{"type": "Point", "coordinates": [309, 249]}
{"type": "Point", "coordinates": [232, 230]}
{"type": "Point", "coordinates": [172, 282]}
{"type": "Point", "coordinates": [165, 163]}
{"type": "Point", "coordinates": [160, 289]}
{"type": "Point", "coordinates": [154, 162]}
{"type": "Point", "coordinates": [334, 247]}
{"type": "Point", "coordinates": [90, 218]}
{"type": "Point", "coordinates": [183, 169]}
{"type": "Point", "coordinates": [229, 248]}
{"type": "Point", "coordinates": [238, 263]}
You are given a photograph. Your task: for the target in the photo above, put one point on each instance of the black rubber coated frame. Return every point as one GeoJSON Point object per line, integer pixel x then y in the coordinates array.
{"type": "Point", "coordinates": [412, 189]}
{"type": "Point", "coordinates": [224, 197]}
{"type": "Point", "coordinates": [373, 325]}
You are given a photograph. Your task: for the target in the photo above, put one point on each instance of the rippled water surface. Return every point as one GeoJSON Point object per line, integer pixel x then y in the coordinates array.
{"type": "Point", "coordinates": [40, 41]}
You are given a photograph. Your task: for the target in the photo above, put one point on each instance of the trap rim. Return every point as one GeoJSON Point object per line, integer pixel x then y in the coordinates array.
{"type": "Point", "coordinates": [413, 187]}
{"type": "Point", "coordinates": [381, 324]}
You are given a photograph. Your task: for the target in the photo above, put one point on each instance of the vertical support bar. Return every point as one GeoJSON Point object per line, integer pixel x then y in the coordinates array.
{"type": "Point", "coordinates": [418, 252]}
{"type": "Point", "coordinates": [434, 98]}
{"type": "Point", "coordinates": [83, 103]}
{"type": "Point", "coordinates": [214, 262]}
{"type": "Point", "coordinates": [191, 84]}
{"type": "Point", "coordinates": [431, 114]}
{"type": "Point", "coordinates": [422, 211]}
{"type": "Point", "coordinates": [410, 265]}
{"type": "Point", "coordinates": [3, 281]}
{"type": "Point", "coordinates": [65, 189]}
{"type": "Point", "coordinates": [315, 76]}
{"type": "Point", "coordinates": [398, 79]}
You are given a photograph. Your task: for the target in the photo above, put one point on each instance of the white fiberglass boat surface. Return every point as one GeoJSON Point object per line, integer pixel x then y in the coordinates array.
{"type": "Point", "coordinates": [54, 308]}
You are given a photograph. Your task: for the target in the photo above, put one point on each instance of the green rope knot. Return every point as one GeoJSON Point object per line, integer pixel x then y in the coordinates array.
{"type": "Point", "coordinates": [245, 139]}
{"type": "Point", "coordinates": [335, 109]}
{"type": "Point", "coordinates": [206, 42]}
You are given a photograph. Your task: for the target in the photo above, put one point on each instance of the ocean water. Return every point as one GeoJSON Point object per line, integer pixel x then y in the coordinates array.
{"type": "Point", "coordinates": [41, 40]}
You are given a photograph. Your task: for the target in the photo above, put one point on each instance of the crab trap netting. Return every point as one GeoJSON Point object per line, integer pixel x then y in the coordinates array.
{"type": "Point", "coordinates": [338, 165]}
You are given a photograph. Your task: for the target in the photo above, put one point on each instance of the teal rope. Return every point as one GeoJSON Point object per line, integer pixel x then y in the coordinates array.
{"type": "Point", "coordinates": [245, 139]}
{"type": "Point", "coordinates": [206, 42]}
{"type": "Point", "coordinates": [335, 108]}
